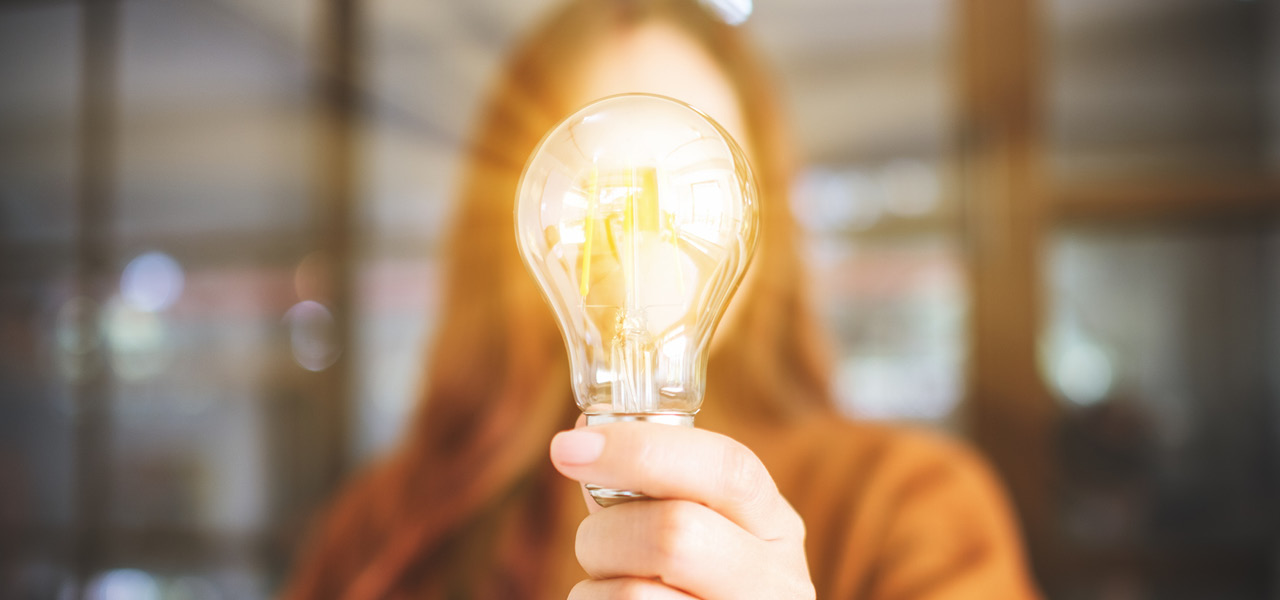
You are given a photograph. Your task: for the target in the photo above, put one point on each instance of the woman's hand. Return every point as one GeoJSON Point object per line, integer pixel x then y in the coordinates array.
{"type": "Point", "coordinates": [716, 528]}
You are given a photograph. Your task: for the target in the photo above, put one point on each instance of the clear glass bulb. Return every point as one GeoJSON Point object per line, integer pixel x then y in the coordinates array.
{"type": "Point", "coordinates": [638, 216]}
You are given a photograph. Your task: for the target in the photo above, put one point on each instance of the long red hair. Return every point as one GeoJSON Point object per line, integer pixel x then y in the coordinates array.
{"type": "Point", "coordinates": [461, 504]}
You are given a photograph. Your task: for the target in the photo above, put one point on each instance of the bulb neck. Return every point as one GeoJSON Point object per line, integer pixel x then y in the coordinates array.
{"type": "Point", "coordinates": [672, 418]}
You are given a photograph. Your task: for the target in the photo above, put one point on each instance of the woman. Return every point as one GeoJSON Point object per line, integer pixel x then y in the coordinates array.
{"type": "Point", "coordinates": [776, 497]}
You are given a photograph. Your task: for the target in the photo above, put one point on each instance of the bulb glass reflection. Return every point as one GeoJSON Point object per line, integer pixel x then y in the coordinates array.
{"type": "Point", "coordinates": [637, 215]}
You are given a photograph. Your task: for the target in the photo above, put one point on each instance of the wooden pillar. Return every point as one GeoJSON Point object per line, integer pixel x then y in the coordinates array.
{"type": "Point", "coordinates": [95, 280]}
{"type": "Point", "coordinates": [337, 183]}
{"type": "Point", "coordinates": [1009, 412]}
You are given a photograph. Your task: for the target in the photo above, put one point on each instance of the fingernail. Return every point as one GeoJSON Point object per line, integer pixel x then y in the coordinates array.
{"type": "Point", "coordinates": [577, 447]}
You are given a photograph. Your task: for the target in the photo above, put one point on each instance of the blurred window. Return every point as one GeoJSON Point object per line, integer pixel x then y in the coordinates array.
{"type": "Point", "coordinates": [1160, 272]}
{"type": "Point", "coordinates": [871, 97]}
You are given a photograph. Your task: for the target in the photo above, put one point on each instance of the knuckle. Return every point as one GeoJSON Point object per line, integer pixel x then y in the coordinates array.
{"type": "Point", "coordinates": [632, 589]}
{"type": "Point", "coordinates": [675, 537]}
{"type": "Point", "coordinates": [581, 590]}
{"type": "Point", "coordinates": [646, 458]}
{"type": "Point", "coordinates": [742, 476]}
{"type": "Point", "coordinates": [614, 589]}
{"type": "Point", "coordinates": [582, 541]}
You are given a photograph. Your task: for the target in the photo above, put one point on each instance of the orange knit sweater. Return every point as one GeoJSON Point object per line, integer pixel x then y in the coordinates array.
{"type": "Point", "coordinates": [890, 514]}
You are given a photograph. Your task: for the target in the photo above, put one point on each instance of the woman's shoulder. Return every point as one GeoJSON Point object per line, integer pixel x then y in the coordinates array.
{"type": "Point", "coordinates": [891, 506]}
{"type": "Point", "coordinates": [893, 469]}
{"type": "Point", "coordinates": [879, 448]}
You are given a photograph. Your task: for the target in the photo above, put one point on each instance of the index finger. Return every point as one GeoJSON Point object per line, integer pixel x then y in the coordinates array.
{"type": "Point", "coordinates": [672, 462]}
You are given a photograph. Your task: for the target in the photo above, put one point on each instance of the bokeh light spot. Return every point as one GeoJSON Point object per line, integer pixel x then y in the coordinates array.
{"type": "Point", "coordinates": [733, 12]}
{"type": "Point", "coordinates": [311, 280]}
{"type": "Point", "coordinates": [124, 584]}
{"type": "Point", "coordinates": [312, 335]}
{"type": "Point", "coordinates": [1083, 374]}
{"type": "Point", "coordinates": [151, 282]}
{"type": "Point", "coordinates": [1080, 370]}
{"type": "Point", "coordinates": [136, 339]}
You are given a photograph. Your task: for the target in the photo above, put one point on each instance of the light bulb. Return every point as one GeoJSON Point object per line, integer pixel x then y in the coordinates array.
{"type": "Point", "coordinates": [637, 215]}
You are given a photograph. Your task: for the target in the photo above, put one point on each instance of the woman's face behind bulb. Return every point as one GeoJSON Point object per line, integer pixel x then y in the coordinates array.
{"type": "Point", "coordinates": [659, 59]}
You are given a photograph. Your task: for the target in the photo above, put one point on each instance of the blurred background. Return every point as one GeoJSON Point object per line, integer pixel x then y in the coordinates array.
{"type": "Point", "coordinates": [1049, 226]}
